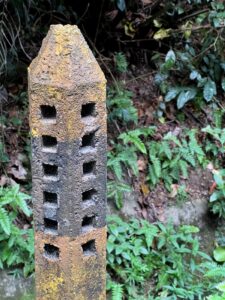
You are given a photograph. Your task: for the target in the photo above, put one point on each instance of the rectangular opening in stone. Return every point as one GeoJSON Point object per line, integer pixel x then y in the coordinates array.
{"type": "Point", "coordinates": [89, 248]}
{"type": "Point", "coordinates": [88, 140]}
{"type": "Point", "coordinates": [88, 222]}
{"type": "Point", "coordinates": [50, 225]}
{"type": "Point", "coordinates": [48, 112]}
{"type": "Point", "coordinates": [89, 195]}
{"type": "Point", "coordinates": [88, 110]}
{"type": "Point", "coordinates": [50, 197]}
{"type": "Point", "coordinates": [51, 251]}
{"type": "Point", "coordinates": [89, 168]}
{"type": "Point", "coordinates": [49, 143]}
{"type": "Point", "coordinates": [50, 170]}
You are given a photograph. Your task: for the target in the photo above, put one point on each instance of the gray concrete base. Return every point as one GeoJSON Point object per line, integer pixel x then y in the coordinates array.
{"type": "Point", "coordinates": [12, 288]}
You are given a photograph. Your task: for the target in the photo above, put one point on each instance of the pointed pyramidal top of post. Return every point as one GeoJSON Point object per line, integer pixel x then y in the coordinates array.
{"type": "Point", "coordinates": [65, 60]}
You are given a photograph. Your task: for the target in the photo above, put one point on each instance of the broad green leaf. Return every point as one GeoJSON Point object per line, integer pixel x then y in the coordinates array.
{"type": "Point", "coordinates": [209, 90]}
{"type": "Point", "coordinates": [219, 254]}
{"type": "Point", "coordinates": [173, 92]}
{"type": "Point", "coordinates": [194, 74]}
{"type": "Point", "coordinates": [144, 251]}
{"type": "Point", "coordinates": [126, 256]}
{"type": "Point", "coordinates": [185, 96]}
{"type": "Point", "coordinates": [213, 197]}
{"type": "Point", "coordinates": [110, 247]}
{"type": "Point", "coordinates": [218, 179]}
{"type": "Point", "coordinates": [170, 56]}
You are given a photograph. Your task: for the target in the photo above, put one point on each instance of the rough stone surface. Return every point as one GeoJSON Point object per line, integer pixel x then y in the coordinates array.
{"type": "Point", "coordinates": [12, 288]}
{"type": "Point", "coordinates": [195, 212]}
{"type": "Point", "coordinates": [75, 275]}
{"type": "Point", "coordinates": [68, 128]}
{"type": "Point", "coordinates": [70, 159]}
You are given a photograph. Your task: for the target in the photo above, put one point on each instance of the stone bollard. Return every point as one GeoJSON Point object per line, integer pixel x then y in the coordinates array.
{"type": "Point", "coordinates": [68, 128]}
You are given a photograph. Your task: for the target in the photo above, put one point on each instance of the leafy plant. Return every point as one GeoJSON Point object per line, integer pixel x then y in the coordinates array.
{"type": "Point", "coordinates": [134, 137]}
{"type": "Point", "coordinates": [121, 62]}
{"type": "Point", "coordinates": [120, 106]}
{"type": "Point", "coordinates": [215, 145]}
{"type": "Point", "coordinates": [194, 70]}
{"type": "Point", "coordinates": [216, 273]}
{"type": "Point", "coordinates": [123, 157]}
{"type": "Point", "coordinates": [170, 158]}
{"type": "Point", "coordinates": [116, 290]}
{"type": "Point", "coordinates": [116, 190]}
{"type": "Point", "coordinates": [182, 195]}
{"type": "Point", "coordinates": [138, 252]}
{"type": "Point", "coordinates": [217, 199]}
{"type": "Point", "coordinates": [17, 244]}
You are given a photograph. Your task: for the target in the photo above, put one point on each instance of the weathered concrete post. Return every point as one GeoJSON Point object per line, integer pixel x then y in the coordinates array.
{"type": "Point", "coordinates": [68, 127]}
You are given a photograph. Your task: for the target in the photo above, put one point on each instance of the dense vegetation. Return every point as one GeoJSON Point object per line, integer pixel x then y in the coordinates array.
{"type": "Point", "coordinates": [165, 65]}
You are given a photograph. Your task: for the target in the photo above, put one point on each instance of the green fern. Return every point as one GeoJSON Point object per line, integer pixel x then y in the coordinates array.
{"type": "Point", "coordinates": [17, 245]}
{"type": "Point", "coordinates": [5, 221]}
{"type": "Point", "coordinates": [114, 164]}
{"type": "Point", "coordinates": [117, 291]}
{"type": "Point", "coordinates": [215, 271]}
{"type": "Point", "coordinates": [184, 168]}
{"type": "Point", "coordinates": [134, 137]}
{"type": "Point", "coordinates": [121, 62]}
{"type": "Point", "coordinates": [165, 148]}
{"type": "Point", "coordinates": [120, 106]}
{"type": "Point", "coordinates": [122, 157]}
{"type": "Point", "coordinates": [116, 190]}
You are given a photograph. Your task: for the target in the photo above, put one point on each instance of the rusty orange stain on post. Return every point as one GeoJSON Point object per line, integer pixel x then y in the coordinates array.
{"type": "Point", "coordinates": [68, 128]}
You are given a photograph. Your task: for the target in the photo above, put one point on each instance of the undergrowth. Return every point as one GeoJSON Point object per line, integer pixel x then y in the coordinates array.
{"type": "Point", "coordinates": [16, 241]}
{"type": "Point", "coordinates": [168, 158]}
{"type": "Point", "coordinates": [156, 261]}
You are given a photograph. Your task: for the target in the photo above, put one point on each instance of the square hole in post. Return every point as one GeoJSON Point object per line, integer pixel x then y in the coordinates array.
{"type": "Point", "coordinates": [87, 222]}
{"type": "Point", "coordinates": [49, 143]}
{"type": "Point", "coordinates": [48, 112]}
{"type": "Point", "coordinates": [51, 251]}
{"type": "Point", "coordinates": [50, 170]}
{"type": "Point", "coordinates": [50, 197]}
{"type": "Point", "coordinates": [89, 248]}
{"type": "Point", "coordinates": [51, 225]}
{"type": "Point", "coordinates": [88, 110]}
{"type": "Point", "coordinates": [89, 168]}
{"type": "Point", "coordinates": [88, 195]}
{"type": "Point", "coordinates": [88, 140]}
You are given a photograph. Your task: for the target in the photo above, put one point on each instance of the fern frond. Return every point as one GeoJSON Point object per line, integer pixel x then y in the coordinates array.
{"type": "Point", "coordinates": [165, 148]}
{"type": "Point", "coordinates": [117, 291]}
{"type": "Point", "coordinates": [5, 221]}
{"type": "Point", "coordinates": [188, 156]}
{"type": "Point", "coordinates": [194, 147]}
{"type": "Point", "coordinates": [156, 166]}
{"type": "Point", "coordinates": [184, 168]}
{"type": "Point", "coordinates": [152, 176]}
{"type": "Point", "coordinates": [217, 271]}
{"type": "Point", "coordinates": [175, 172]}
{"type": "Point", "coordinates": [221, 286]}
{"type": "Point", "coordinates": [170, 137]}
